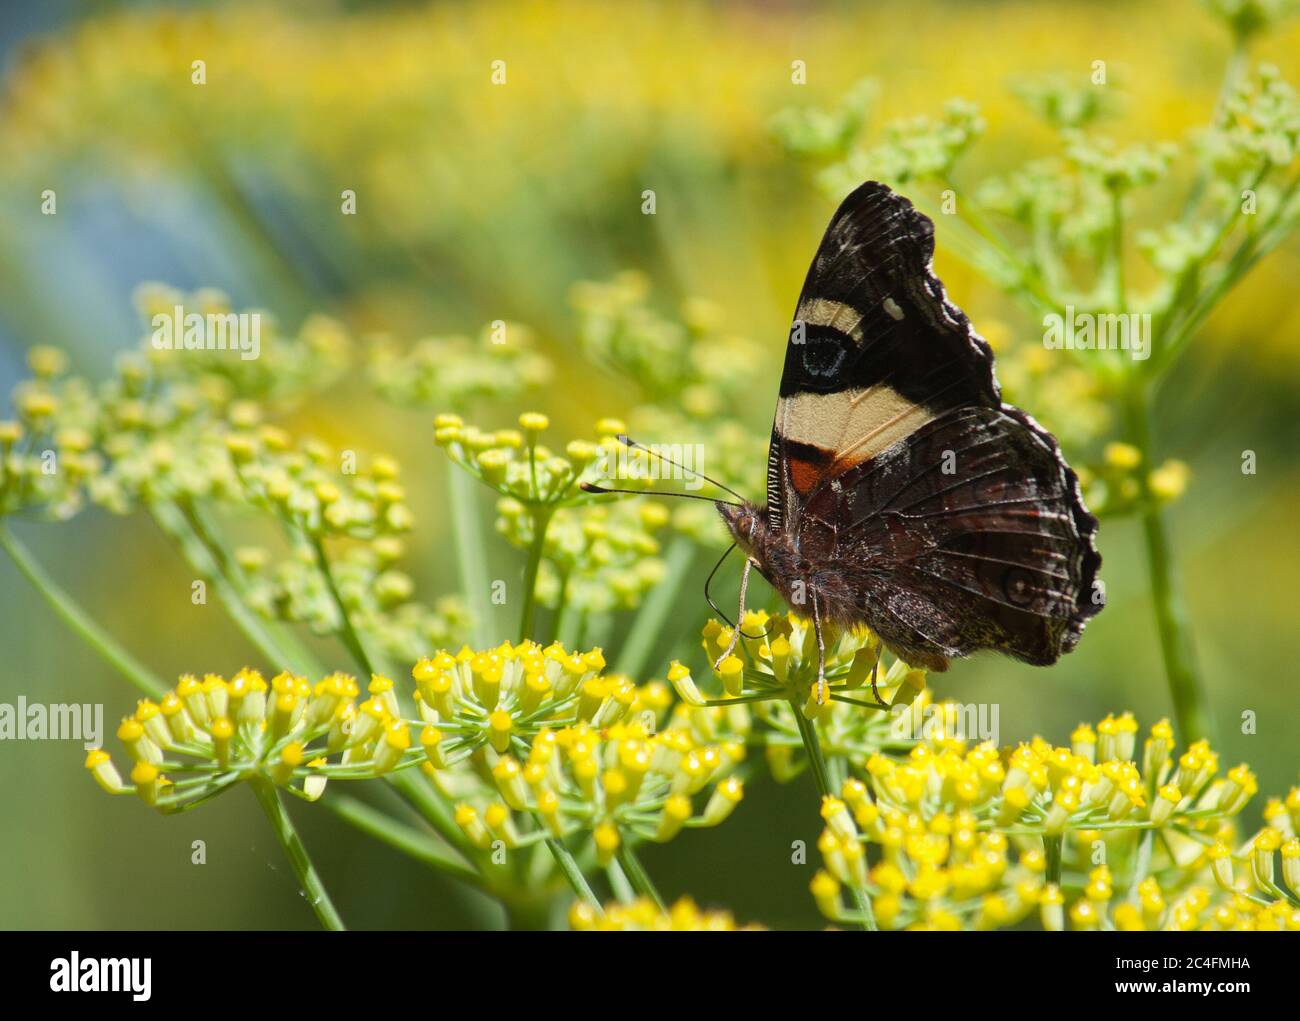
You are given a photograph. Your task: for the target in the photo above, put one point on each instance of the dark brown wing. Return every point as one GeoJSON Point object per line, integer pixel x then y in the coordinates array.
{"type": "Point", "coordinates": [946, 519]}
{"type": "Point", "coordinates": [968, 534]}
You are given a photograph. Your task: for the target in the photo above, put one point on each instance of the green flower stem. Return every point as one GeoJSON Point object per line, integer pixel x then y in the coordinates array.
{"type": "Point", "coordinates": [561, 607]}
{"type": "Point", "coordinates": [1052, 843]}
{"type": "Point", "coordinates": [269, 798]}
{"type": "Point", "coordinates": [637, 875]}
{"type": "Point", "coordinates": [471, 558]}
{"type": "Point", "coordinates": [72, 614]}
{"type": "Point", "coordinates": [1117, 247]}
{"type": "Point", "coordinates": [1030, 280]}
{"type": "Point", "coordinates": [618, 883]}
{"type": "Point", "coordinates": [418, 795]}
{"type": "Point", "coordinates": [412, 789]}
{"type": "Point", "coordinates": [347, 632]}
{"type": "Point", "coordinates": [1186, 689]}
{"type": "Point", "coordinates": [572, 873]}
{"type": "Point", "coordinates": [1141, 863]}
{"type": "Point", "coordinates": [813, 746]}
{"type": "Point", "coordinates": [1260, 242]}
{"type": "Point", "coordinates": [660, 602]}
{"type": "Point", "coordinates": [202, 554]}
{"type": "Point", "coordinates": [400, 836]}
{"type": "Point", "coordinates": [541, 519]}
{"type": "Point", "coordinates": [233, 590]}
{"type": "Point", "coordinates": [421, 796]}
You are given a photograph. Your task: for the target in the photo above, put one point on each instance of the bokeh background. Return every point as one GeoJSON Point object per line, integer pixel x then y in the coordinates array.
{"type": "Point", "coordinates": [478, 203]}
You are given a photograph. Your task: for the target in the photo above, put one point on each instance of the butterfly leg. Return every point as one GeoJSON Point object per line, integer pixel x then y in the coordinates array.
{"type": "Point", "coordinates": [875, 668]}
{"type": "Point", "coordinates": [740, 616]}
{"type": "Point", "coordinates": [821, 652]}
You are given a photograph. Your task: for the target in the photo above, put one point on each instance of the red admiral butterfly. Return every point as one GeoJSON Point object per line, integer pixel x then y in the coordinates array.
{"type": "Point", "coordinates": [902, 493]}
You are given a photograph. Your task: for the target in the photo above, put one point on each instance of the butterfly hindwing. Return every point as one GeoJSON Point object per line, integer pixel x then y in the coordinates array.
{"type": "Point", "coordinates": [969, 534]}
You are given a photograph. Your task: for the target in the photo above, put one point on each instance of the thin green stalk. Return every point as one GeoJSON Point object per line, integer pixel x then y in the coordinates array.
{"type": "Point", "coordinates": [1052, 843]}
{"type": "Point", "coordinates": [347, 632]}
{"type": "Point", "coordinates": [572, 873]}
{"type": "Point", "coordinates": [471, 557]}
{"type": "Point", "coordinates": [418, 795]}
{"type": "Point", "coordinates": [561, 606]}
{"type": "Point", "coordinates": [541, 518]}
{"type": "Point", "coordinates": [314, 890]}
{"type": "Point", "coordinates": [72, 614]}
{"type": "Point", "coordinates": [233, 588]}
{"type": "Point", "coordinates": [813, 746]}
{"type": "Point", "coordinates": [1253, 248]}
{"type": "Point", "coordinates": [1141, 863]}
{"type": "Point", "coordinates": [637, 875]}
{"type": "Point", "coordinates": [1117, 248]}
{"type": "Point", "coordinates": [618, 883]}
{"type": "Point", "coordinates": [421, 796]}
{"type": "Point", "coordinates": [201, 555]}
{"type": "Point", "coordinates": [398, 835]}
{"type": "Point", "coordinates": [1186, 689]}
{"type": "Point", "coordinates": [649, 623]}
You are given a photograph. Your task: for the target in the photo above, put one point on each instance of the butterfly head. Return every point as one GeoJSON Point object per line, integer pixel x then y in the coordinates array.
{"type": "Point", "coordinates": [748, 526]}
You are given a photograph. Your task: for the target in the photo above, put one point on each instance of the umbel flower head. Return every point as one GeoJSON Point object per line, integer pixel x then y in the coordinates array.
{"type": "Point", "coordinates": [376, 593]}
{"type": "Point", "coordinates": [317, 489]}
{"type": "Point", "coordinates": [205, 735]}
{"type": "Point", "coordinates": [968, 837]}
{"type": "Point", "coordinates": [535, 743]}
{"type": "Point", "coordinates": [643, 915]}
{"type": "Point", "coordinates": [520, 467]}
{"type": "Point", "coordinates": [775, 659]}
{"type": "Point", "coordinates": [438, 372]}
{"type": "Point", "coordinates": [155, 431]}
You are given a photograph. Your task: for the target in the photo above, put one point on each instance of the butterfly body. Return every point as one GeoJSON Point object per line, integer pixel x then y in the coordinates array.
{"type": "Point", "coordinates": [903, 494]}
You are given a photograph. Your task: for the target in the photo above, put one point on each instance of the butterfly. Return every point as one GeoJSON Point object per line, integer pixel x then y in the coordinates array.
{"type": "Point", "coordinates": [902, 493]}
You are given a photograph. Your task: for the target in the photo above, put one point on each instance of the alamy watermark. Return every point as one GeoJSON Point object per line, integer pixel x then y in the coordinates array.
{"type": "Point", "coordinates": [1099, 331]}
{"type": "Point", "coordinates": [77, 974]}
{"type": "Point", "coordinates": [179, 330]}
{"type": "Point", "coordinates": [682, 462]}
{"type": "Point", "coordinates": [975, 721]}
{"type": "Point", "coordinates": [59, 721]}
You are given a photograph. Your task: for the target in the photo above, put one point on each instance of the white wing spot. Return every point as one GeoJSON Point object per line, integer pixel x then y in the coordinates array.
{"type": "Point", "coordinates": [891, 306]}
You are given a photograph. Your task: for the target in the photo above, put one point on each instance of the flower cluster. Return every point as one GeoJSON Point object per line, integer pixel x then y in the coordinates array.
{"type": "Point", "coordinates": [155, 431]}
{"type": "Point", "coordinates": [534, 742]}
{"type": "Point", "coordinates": [1114, 485]}
{"type": "Point", "coordinates": [375, 593]}
{"type": "Point", "coordinates": [643, 915]}
{"type": "Point", "coordinates": [596, 558]}
{"type": "Point", "coordinates": [519, 467]}
{"type": "Point", "coordinates": [775, 659]}
{"type": "Point", "coordinates": [441, 372]}
{"type": "Point", "coordinates": [693, 363]}
{"type": "Point", "coordinates": [1101, 832]}
{"type": "Point", "coordinates": [595, 554]}
{"type": "Point", "coordinates": [692, 378]}
{"type": "Point", "coordinates": [206, 735]}
{"type": "Point", "coordinates": [318, 490]}
{"type": "Point", "coordinates": [914, 148]}
{"type": "Point", "coordinates": [818, 133]}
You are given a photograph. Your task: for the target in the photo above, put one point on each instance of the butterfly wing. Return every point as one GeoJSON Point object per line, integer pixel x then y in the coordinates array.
{"type": "Point", "coordinates": [946, 519]}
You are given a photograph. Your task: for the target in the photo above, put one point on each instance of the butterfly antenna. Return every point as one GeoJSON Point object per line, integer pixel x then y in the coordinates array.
{"type": "Point", "coordinates": [627, 441]}
{"type": "Point", "coordinates": [591, 487]}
